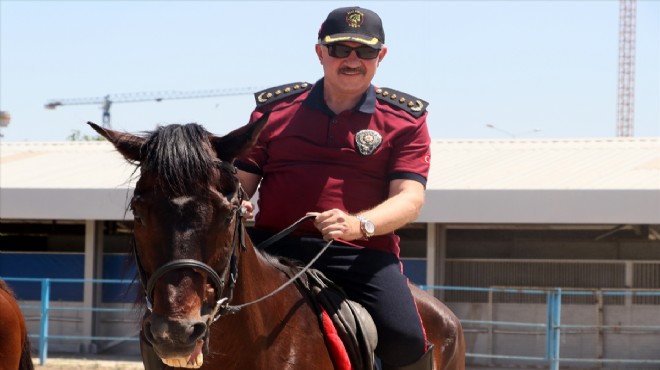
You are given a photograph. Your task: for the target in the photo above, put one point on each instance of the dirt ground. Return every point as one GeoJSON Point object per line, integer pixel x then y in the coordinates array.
{"type": "Point", "coordinates": [80, 363]}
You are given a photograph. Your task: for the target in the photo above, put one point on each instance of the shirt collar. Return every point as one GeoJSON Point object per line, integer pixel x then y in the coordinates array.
{"type": "Point", "coordinates": [367, 103]}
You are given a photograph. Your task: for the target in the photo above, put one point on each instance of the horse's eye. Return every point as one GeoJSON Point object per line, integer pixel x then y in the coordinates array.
{"type": "Point", "coordinates": [137, 217]}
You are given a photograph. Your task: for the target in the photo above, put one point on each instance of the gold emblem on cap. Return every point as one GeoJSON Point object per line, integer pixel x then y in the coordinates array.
{"type": "Point", "coordinates": [354, 18]}
{"type": "Point", "coordinates": [287, 89]}
{"type": "Point", "coordinates": [278, 92]}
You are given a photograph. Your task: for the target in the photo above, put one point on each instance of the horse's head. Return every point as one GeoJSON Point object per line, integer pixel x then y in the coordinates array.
{"type": "Point", "coordinates": [186, 206]}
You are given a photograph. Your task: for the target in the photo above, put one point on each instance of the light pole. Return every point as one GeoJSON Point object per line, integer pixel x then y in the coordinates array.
{"type": "Point", "coordinates": [5, 118]}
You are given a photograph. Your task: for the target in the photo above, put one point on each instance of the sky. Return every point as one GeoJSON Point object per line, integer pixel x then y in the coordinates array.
{"type": "Point", "coordinates": [529, 69]}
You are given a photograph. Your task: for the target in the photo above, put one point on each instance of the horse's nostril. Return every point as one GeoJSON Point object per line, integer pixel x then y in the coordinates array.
{"type": "Point", "coordinates": [198, 331]}
{"type": "Point", "coordinates": [146, 331]}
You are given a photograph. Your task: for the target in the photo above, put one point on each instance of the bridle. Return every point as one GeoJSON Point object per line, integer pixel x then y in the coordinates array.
{"type": "Point", "coordinates": [218, 280]}
{"type": "Point", "coordinates": [222, 306]}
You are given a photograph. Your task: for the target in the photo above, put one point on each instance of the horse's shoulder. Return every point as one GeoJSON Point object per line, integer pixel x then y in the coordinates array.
{"type": "Point", "coordinates": [400, 100]}
{"type": "Point", "coordinates": [281, 92]}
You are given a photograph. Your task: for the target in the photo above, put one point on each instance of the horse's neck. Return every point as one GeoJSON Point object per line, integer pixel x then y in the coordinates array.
{"type": "Point", "coordinates": [258, 276]}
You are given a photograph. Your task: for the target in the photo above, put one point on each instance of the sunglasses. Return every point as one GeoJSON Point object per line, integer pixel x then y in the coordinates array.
{"type": "Point", "coordinates": [343, 51]}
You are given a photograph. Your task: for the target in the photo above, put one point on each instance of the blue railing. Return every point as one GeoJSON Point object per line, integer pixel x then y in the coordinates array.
{"type": "Point", "coordinates": [552, 325]}
{"type": "Point", "coordinates": [45, 310]}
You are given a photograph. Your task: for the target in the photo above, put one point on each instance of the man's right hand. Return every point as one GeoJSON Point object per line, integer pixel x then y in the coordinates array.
{"type": "Point", "coordinates": [247, 208]}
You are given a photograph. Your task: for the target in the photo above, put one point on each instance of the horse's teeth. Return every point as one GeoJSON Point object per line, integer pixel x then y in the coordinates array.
{"type": "Point", "coordinates": [199, 360]}
{"type": "Point", "coordinates": [184, 362]}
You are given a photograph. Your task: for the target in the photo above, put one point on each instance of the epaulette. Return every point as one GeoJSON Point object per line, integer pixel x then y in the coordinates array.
{"type": "Point", "coordinates": [414, 106]}
{"type": "Point", "coordinates": [280, 92]}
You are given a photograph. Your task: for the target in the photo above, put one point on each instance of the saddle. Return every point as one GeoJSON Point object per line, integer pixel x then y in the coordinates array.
{"type": "Point", "coordinates": [351, 321]}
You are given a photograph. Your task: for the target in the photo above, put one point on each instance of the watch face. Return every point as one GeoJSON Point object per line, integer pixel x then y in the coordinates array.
{"type": "Point", "coordinates": [366, 226]}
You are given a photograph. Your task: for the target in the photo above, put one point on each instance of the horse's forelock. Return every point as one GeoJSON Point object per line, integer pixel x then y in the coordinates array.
{"type": "Point", "coordinates": [179, 156]}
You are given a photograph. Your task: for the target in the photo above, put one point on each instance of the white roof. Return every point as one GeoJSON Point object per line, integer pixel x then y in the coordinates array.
{"type": "Point", "coordinates": [568, 181]}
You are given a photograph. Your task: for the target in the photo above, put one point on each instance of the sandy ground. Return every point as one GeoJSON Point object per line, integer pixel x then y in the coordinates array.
{"type": "Point", "coordinates": [80, 363]}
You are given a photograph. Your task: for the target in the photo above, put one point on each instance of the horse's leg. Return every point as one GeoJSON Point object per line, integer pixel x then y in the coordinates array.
{"type": "Point", "coordinates": [443, 329]}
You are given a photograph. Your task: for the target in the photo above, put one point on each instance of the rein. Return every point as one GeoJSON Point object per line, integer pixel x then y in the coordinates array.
{"type": "Point", "coordinates": [233, 309]}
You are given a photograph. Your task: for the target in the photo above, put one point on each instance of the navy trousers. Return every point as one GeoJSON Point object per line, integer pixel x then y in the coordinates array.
{"type": "Point", "coordinates": [371, 278]}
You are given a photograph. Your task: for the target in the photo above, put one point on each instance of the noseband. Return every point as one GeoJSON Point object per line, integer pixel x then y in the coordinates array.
{"type": "Point", "coordinates": [149, 284]}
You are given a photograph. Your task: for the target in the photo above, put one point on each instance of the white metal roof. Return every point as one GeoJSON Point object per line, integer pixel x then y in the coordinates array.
{"type": "Point", "coordinates": [568, 181]}
{"type": "Point", "coordinates": [580, 181]}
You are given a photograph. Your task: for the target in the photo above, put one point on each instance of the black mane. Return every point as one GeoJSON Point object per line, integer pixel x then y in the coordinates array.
{"type": "Point", "coordinates": [179, 157]}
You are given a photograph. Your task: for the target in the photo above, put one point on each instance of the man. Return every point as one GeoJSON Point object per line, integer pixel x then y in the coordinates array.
{"type": "Point", "coordinates": [356, 157]}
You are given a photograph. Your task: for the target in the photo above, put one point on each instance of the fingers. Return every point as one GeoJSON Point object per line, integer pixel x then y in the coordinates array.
{"type": "Point", "coordinates": [247, 208]}
{"type": "Point", "coordinates": [332, 224]}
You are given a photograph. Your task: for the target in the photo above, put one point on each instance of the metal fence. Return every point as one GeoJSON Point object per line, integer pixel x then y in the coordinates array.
{"type": "Point", "coordinates": [46, 310]}
{"type": "Point", "coordinates": [552, 327]}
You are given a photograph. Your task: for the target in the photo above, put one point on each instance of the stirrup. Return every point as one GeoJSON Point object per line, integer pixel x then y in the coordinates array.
{"type": "Point", "coordinates": [424, 363]}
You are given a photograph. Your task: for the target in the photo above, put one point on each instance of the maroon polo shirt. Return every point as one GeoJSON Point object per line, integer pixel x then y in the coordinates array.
{"type": "Point", "coordinates": [309, 160]}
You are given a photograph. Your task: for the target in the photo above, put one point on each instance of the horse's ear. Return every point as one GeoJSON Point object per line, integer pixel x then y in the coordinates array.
{"type": "Point", "coordinates": [127, 144]}
{"type": "Point", "coordinates": [236, 142]}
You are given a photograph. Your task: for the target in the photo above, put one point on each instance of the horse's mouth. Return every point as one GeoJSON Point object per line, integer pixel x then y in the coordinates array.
{"type": "Point", "coordinates": [193, 361]}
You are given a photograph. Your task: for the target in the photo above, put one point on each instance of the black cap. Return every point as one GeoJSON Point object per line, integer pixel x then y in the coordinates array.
{"type": "Point", "coordinates": [353, 24]}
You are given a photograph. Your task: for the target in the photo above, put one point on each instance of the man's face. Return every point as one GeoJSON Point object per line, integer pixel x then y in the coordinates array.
{"type": "Point", "coordinates": [350, 74]}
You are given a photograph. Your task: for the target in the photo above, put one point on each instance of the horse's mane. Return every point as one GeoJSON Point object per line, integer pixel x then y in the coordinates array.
{"type": "Point", "coordinates": [176, 154]}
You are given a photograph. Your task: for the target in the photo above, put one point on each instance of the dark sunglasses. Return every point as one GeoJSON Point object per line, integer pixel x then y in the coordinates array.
{"type": "Point", "coordinates": [343, 51]}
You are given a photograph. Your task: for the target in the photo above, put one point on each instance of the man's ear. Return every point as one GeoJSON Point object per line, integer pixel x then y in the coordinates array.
{"type": "Point", "coordinates": [319, 52]}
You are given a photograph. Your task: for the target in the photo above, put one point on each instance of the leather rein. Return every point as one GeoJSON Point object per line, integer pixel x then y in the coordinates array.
{"type": "Point", "coordinates": [221, 306]}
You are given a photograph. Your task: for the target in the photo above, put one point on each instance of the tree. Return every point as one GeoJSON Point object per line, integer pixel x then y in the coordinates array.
{"type": "Point", "coordinates": [77, 136]}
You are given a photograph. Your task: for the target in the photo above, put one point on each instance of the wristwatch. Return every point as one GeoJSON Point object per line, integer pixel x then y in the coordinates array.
{"type": "Point", "coordinates": [366, 226]}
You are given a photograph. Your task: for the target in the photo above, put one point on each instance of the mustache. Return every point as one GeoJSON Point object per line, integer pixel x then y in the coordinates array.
{"type": "Point", "coordinates": [352, 70]}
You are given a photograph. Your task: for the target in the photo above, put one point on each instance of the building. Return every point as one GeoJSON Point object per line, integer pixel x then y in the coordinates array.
{"type": "Point", "coordinates": [571, 213]}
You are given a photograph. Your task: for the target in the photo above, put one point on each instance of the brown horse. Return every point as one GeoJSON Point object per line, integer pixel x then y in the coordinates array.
{"type": "Point", "coordinates": [198, 266]}
{"type": "Point", "coordinates": [14, 342]}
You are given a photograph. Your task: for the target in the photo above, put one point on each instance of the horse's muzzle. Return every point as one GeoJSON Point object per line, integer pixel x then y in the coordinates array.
{"type": "Point", "coordinates": [180, 342]}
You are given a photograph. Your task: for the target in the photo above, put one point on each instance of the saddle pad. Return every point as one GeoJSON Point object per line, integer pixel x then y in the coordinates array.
{"type": "Point", "coordinates": [334, 343]}
{"type": "Point", "coordinates": [351, 322]}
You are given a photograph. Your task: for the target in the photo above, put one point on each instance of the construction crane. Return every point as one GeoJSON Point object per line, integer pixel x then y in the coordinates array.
{"type": "Point", "coordinates": [107, 101]}
{"type": "Point", "coordinates": [626, 92]}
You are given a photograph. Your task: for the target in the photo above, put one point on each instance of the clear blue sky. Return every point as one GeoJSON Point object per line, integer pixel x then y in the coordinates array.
{"type": "Point", "coordinates": [518, 65]}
